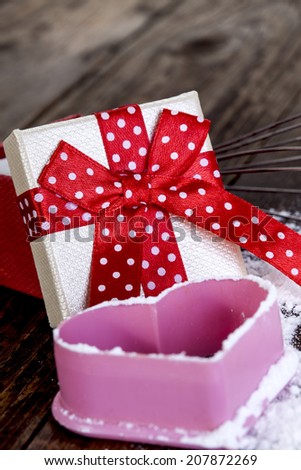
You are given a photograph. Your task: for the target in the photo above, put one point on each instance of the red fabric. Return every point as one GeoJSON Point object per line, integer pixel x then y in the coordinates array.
{"type": "Point", "coordinates": [2, 154]}
{"type": "Point", "coordinates": [146, 182]}
{"type": "Point", "coordinates": [17, 269]}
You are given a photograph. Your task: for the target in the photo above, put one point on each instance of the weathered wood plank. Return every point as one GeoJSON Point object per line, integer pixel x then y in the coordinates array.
{"type": "Point", "coordinates": [27, 368]}
{"type": "Point", "coordinates": [47, 46]}
{"type": "Point", "coordinates": [237, 59]}
{"type": "Point", "coordinates": [52, 436]}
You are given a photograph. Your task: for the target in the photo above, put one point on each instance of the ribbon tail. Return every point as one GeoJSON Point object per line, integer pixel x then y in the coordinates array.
{"type": "Point", "coordinates": [162, 264]}
{"type": "Point", "coordinates": [116, 259]}
{"type": "Point", "coordinates": [238, 221]}
{"type": "Point", "coordinates": [264, 236]}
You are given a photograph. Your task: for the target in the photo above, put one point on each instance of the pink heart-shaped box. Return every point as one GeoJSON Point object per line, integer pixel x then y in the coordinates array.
{"type": "Point", "coordinates": [191, 368]}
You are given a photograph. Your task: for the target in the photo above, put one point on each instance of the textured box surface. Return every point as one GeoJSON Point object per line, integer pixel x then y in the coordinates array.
{"type": "Point", "coordinates": [63, 262]}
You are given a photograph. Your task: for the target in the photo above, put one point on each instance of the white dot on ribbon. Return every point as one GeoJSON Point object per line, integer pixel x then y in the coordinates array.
{"type": "Point", "coordinates": [204, 162]}
{"type": "Point", "coordinates": [126, 144]}
{"type": "Point", "coordinates": [52, 209]}
{"type": "Point", "coordinates": [149, 229]}
{"type": "Point", "coordinates": [64, 156]}
{"type": "Point", "coordinates": [151, 285]}
{"type": "Point", "coordinates": [71, 206]}
{"type": "Point", "coordinates": [110, 136]}
{"type": "Point", "coordinates": [45, 225]}
{"type": "Point", "coordinates": [188, 212]}
{"type": "Point", "coordinates": [116, 157]}
{"type": "Point", "coordinates": [99, 190]}
{"type": "Point", "coordinates": [142, 151]}
{"type": "Point", "coordinates": [132, 166]}
{"type": "Point", "coordinates": [121, 123]}
{"type": "Point", "coordinates": [161, 272]}
{"type": "Point", "coordinates": [66, 221]}
{"type": "Point", "coordinates": [145, 264]}
{"type": "Point", "coordinates": [137, 130]}
{"type": "Point", "coordinates": [86, 216]}
{"type": "Point", "coordinates": [174, 155]}
{"type": "Point", "coordinates": [72, 176]}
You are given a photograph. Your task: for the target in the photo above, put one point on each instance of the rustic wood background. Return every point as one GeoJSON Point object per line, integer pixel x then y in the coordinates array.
{"type": "Point", "coordinates": [64, 57]}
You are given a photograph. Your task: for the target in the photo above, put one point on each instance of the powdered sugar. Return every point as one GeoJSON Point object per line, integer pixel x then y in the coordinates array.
{"type": "Point", "coordinates": [280, 426]}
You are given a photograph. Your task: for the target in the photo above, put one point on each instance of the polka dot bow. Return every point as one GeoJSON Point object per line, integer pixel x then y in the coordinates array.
{"type": "Point", "coordinates": [129, 204]}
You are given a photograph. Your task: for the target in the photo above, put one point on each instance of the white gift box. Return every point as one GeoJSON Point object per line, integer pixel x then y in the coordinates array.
{"type": "Point", "coordinates": [63, 262]}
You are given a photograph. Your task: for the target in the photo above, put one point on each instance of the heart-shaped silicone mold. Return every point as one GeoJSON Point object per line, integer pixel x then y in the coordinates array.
{"type": "Point", "coordinates": [173, 369]}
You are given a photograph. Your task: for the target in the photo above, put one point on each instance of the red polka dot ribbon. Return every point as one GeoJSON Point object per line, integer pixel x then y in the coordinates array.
{"type": "Point", "coordinates": [129, 204]}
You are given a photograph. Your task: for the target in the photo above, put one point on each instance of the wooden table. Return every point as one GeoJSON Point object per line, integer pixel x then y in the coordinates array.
{"type": "Point", "coordinates": [64, 57]}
